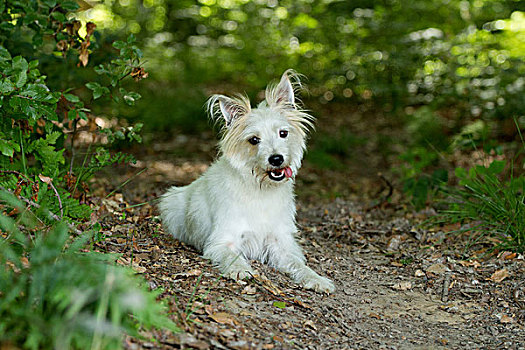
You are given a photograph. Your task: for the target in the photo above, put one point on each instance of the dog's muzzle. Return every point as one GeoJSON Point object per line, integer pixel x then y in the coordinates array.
{"type": "Point", "coordinates": [280, 174]}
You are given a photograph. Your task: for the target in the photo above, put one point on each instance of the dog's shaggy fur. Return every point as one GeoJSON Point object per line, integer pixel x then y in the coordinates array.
{"type": "Point", "coordinates": [243, 206]}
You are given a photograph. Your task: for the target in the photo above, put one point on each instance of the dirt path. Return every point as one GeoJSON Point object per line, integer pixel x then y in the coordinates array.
{"type": "Point", "coordinates": [398, 286]}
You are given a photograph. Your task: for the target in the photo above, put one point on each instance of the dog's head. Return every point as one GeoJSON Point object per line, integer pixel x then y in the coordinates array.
{"type": "Point", "coordinates": [266, 142]}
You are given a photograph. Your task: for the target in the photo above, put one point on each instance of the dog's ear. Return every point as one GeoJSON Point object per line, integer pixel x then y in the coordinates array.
{"type": "Point", "coordinates": [283, 94]}
{"type": "Point", "coordinates": [284, 90]}
{"type": "Point", "coordinates": [229, 109]}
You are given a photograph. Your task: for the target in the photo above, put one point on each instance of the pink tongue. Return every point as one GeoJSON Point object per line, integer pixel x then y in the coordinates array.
{"type": "Point", "coordinates": [288, 172]}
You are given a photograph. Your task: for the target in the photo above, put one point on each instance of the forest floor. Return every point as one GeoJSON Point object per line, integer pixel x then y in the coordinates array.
{"type": "Point", "coordinates": [398, 285]}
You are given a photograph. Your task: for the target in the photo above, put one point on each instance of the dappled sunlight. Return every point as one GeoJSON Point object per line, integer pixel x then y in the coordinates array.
{"type": "Point", "coordinates": [164, 171]}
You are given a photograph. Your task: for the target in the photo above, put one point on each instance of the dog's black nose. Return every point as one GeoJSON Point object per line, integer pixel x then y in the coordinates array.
{"type": "Point", "coordinates": [276, 159]}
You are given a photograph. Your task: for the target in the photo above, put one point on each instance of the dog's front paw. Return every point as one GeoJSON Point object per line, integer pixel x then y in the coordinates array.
{"type": "Point", "coordinates": [238, 271]}
{"type": "Point", "coordinates": [317, 283]}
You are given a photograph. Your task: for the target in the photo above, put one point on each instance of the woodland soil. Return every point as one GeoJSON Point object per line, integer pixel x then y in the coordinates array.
{"type": "Point", "coordinates": [399, 285]}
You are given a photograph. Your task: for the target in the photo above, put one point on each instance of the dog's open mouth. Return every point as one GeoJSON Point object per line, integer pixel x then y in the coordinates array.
{"type": "Point", "coordinates": [280, 174]}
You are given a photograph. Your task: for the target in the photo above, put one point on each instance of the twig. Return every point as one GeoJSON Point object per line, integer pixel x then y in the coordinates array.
{"type": "Point", "coordinates": [43, 179]}
{"type": "Point", "coordinates": [446, 283]}
{"type": "Point", "coordinates": [390, 187]}
{"type": "Point", "coordinates": [36, 205]}
{"type": "Point", "coordinates": [73, 146]}
{"type": "Point", "coordinates": [385, 198]}
{"type": "Point", "coordinates": [49, 181]}
{"type": "Point", "coordinates": [373, 232]}
{"type": "Point", "coordinates": [125, 182]}
{"type": "Point", "coordinates": [16, 173]}
{"type": "Point", "coordinates": [271, 288]}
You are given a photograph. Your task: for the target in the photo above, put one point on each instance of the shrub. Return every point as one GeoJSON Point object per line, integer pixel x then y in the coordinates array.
{"type": "Point", "coordinates": [55, 296]}
{"type": "Point", "coordinates": [38, 125]}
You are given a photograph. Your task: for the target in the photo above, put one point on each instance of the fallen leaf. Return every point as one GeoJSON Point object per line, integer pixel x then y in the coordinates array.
{"type": "Point", "coordinates": [437, 269]}
{"type": "Point", "coordinates": [506, 319]}
{"type": "Point", "coordinates": [138, 268]}
{"type": "Point", "coordinates": [25, 262]}
{"type": "Point", "coordinates": [190, 340]}
{"type": "Point", "coordinates": [393, 243]}
{"type": "Point", "coordinates": [374, 315]}
{"type": "Point", "coordinates": [473, 263]}
{"type": "Point", "coordinates": [404, 285]}
{"type": "Point", "coordinates": [226, 333]}
{"type": "Point", "coordinates": [310, 323]}
{"type": "Point", "coordinates": [508, 255]}
{"type": "Point", "coordinates": [499, 275]}
{"type": "Point", "coordinates": [250, 290]}
{"type": "Point", "coordinates": [451, 227]}
{"type": "Point", "coordinates": [419, 273]}
{"type": "Point", "coordinates": [123, 261]}
{"type": "Point", "coordinates": [223, 318]}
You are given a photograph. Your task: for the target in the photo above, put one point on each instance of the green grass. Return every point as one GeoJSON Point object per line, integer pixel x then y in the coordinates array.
{"type": "Point", "coordinates": [489, 205]}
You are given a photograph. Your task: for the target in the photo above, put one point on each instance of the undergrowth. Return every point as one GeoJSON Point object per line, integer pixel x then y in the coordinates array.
{"type": "Point", "coordinates": [56, 295]}
{"type": "Point", "coordinates": [54, 292]}
{"type": "Point", "coordinates": [488, 205]}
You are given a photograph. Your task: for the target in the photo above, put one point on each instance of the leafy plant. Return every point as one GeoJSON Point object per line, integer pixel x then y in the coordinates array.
{"type": "Point", "coordinates": [39, 125]}
{"type": "Point", "coordinates": [418, 185]}
{"type": "Point", "coordinates": [489, 205]}
{"type": "Point", "coordinates": [55, 295]}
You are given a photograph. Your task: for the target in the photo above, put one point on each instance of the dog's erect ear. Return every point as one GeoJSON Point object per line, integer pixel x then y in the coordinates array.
{"type": "Point", "coordinates": [284, 90]}
{"type": "Point", "coordinates": [229, 109]}
{"type": "Point", "coordinates": [283, 94]}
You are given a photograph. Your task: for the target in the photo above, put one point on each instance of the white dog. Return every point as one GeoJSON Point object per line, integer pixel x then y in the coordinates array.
{"type": "Point", "coordinates": [243, 206]}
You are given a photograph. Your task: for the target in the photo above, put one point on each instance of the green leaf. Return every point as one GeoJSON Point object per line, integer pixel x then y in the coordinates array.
{"type": "Point", "coordinates": [6, 86]}
{"type": "Point", "coordinates": [279, 304]}
{"type": "Point", "coordinates": [119, 135]}
{"type": "Point", "coordinates": [70, 6]}
{"type": "Point", "coordinates": [20, 64]}
{"type": "Point", "coordinates": [58, 16]}
{"type": "Point", "coordinates": [50, 3]}
{"type": "Point", "coordinates": [33, 64]}
{"type": "Point", "coordinates": [4, 54]}
{"type": "Point", "coordinates": [119, 45]}
{"type": "Point", "coordinates": [497, 166]}
{"type": "Point", "coordinates": [21, 79]}
{"type": "Point", "coordinates": [7, 147]}
{"type": "Point", "coordinates": [439, 176]}
{"type": "Point", "coordinates": [7, 26]}
{"type": "Point", "coordinates": [100, 69]}
{"type": "Point", "coordinates": [460, 173]}
{"type": "Point", "coordinates": [39, 92]}
{"type": "Point", "coordinates": [130, 97]}
{"type": "Point", "coordinates": [72, 98]}
{"type": "Point", "coordinates": [37, 39]}
{"type": "Point", "coordinates": [97, 89]}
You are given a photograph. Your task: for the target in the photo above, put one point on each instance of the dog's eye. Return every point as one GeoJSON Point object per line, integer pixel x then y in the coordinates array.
{"type": "Point", "coordinates": [254, 140]}
{"type": "Point", "coordinates": [283, 133]}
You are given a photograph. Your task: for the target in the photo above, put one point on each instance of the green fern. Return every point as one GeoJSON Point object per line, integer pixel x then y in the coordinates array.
{"type": "Point", "coordinates": [54, 296]}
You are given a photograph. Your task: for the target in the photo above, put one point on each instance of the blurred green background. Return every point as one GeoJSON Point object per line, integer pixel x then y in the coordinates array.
{"type": "Point", "coordinates": [462, 60]}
